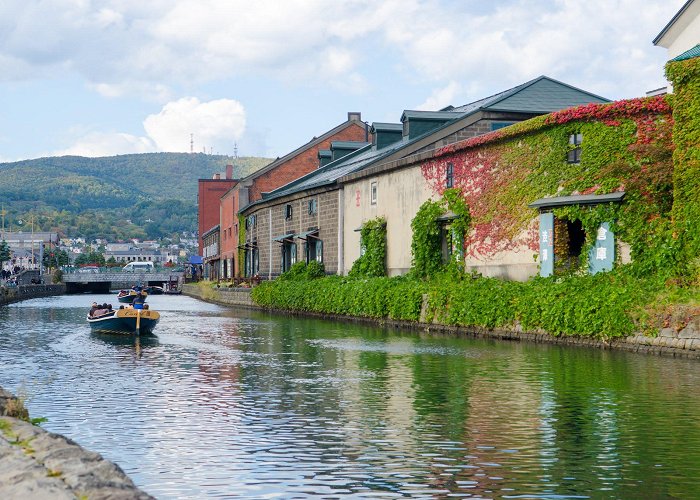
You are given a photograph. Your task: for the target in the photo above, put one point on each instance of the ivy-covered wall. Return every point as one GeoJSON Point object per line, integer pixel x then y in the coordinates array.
{"type": "Point", "coordinates": [626, 146]}
{"type": "Point", "coordinates": [685, 77]}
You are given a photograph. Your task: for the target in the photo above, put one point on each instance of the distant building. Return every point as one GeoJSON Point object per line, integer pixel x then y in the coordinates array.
{"type": "Point", "coordinates": [209, 193]}
{"type": "Point", "coordinates": [137, 255]}
{"type": "Point", "coordinates": [27, 249]}
{"type": "Point", "coordinates": [210, 253]}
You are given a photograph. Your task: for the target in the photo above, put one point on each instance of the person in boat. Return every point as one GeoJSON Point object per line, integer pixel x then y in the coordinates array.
{"type": "Point", "coordinates": [139, 301]}
{"type": "Point", "coordinates": [93, 309]}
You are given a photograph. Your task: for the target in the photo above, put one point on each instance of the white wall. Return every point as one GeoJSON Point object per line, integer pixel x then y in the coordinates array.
{"type": "Point", "coordinates": [399, 195]}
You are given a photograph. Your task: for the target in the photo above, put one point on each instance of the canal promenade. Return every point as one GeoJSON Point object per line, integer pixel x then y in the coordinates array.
{"type": "Point", "coordinates": [38, 464]}
{"type": "Point", "coordinates": [680, 339]}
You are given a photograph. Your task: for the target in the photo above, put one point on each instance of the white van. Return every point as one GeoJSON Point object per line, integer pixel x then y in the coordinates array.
{"type": "Point", "coordinates": [138, 267]}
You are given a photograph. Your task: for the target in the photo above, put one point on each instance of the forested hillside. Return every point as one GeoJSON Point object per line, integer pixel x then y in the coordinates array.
{"type": "Point", "coordinates": [94, 197]}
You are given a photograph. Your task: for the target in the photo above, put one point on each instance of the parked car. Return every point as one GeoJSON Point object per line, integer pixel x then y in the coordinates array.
{"type": "Point", "coordinates": [89, 269]}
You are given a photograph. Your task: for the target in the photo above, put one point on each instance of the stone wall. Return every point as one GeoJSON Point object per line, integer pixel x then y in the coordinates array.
{"type": "Point", "coordinates": [681, 340]}
{"type": "Point", "coordinates": [35, 463]}
{"type": "Point", "coordinates": [224, 296]}
{"type": "Point", "coordinates": [24, 292]}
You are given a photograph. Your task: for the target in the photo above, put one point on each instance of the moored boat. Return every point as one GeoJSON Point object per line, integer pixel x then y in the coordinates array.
{"type": "Point", "coordinates": [128, 320]}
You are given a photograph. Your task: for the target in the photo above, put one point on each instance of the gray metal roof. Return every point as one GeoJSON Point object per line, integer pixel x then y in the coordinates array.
{"type": "Point", "coordinates": [386, 127]}
{"type": "Point", "coordinates": [347, 144]}
{"type": "Point", "coordinates": [430, 115]}
{"type": "Point", "coordinates": [584, 199]}
{"type": "Point", "coordinates": [331, 172]}
{"type": "Point", "coordinates": [541, 95]}
{"type": "Point", "coordinates": [547, 93]}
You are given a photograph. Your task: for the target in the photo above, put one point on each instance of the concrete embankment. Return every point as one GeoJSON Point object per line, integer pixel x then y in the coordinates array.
{"type": "Point", "coordinates": [38, 464]}
{"type": "Point", "coordinates": [682, 339]}
{"type": "Point", "coordinates": [9, 295]}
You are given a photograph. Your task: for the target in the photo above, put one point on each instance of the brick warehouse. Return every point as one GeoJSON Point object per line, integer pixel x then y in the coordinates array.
{"type": "Point", "coordinates": [280, 172]}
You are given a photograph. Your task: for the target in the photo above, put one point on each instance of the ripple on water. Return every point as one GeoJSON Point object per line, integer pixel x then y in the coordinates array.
{"type": "Point", "coordinates": [223, 403]}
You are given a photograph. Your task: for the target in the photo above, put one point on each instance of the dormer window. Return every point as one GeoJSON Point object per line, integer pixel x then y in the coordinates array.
{"type": "Point", "coordinates": [574, 153]}
{"type": "Point", "coordinates": [450, 175]}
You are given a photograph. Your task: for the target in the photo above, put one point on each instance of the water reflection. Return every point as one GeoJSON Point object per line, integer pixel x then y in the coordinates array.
{"type": "Point", "coordinates": [223, 403]}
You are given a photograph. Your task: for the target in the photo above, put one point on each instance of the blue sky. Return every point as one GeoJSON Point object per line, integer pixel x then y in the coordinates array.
{"type": "Point", "coordinates": [105, 77]}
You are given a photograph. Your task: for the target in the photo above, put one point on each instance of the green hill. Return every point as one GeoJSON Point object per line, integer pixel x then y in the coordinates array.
{"type": "Point", "coordinates": [93, 197]}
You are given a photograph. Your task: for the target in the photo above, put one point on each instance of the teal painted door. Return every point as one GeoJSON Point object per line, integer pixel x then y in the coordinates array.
{"type": "Point", "coordinates": [546, 237]}
{"type": "Point", "coordinates": [601, 256]}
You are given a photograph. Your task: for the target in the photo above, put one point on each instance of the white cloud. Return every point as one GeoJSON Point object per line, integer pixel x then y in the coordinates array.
{"type": "Point", "coordinates": [441, 97]}
{"type": "Point", "coordinates": [134, 46]}
{"type": "Point", "coordinates": [215, 124]}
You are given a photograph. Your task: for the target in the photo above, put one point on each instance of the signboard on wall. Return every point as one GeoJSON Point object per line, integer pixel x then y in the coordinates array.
{"type": "Point", "coordinates": [601, 256]}
{"type": "Point", "coordinates": [546, 237]}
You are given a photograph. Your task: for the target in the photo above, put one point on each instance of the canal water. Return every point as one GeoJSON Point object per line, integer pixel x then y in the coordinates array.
{"type": "Point", "coordinates": [225, 403]}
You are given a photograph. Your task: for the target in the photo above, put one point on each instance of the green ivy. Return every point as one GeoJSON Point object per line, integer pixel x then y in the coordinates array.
{"type": "Point", "coordinates": [685, 77]}
{"type": "Point", "coordinates": [602, 306]}
{"type": "Point", "coordinates": [426, 245]}
{"type": "Point", "coordinates": [303, 271]}
{"type": "Point", "coordinates": [372, 262]}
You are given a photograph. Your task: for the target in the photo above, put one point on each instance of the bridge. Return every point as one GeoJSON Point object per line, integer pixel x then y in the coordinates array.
{"type": "Point", "coordinates": [102, 281]}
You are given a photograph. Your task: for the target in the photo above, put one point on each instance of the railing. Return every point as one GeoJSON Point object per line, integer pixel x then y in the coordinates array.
{"type": "Point", "coordinates": [120, 269]}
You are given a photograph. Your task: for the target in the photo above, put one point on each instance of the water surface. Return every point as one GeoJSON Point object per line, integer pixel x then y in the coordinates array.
{"type": "Point", "coordinates": [225, 403]}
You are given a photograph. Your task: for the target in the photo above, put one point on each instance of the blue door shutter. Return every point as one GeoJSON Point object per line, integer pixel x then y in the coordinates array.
{"type": "Point", "coordinates": [546, 237]}
{"type": "Point", "coordinates": [601, 256]}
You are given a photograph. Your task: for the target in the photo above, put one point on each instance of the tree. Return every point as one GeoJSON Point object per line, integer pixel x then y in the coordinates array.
{"type": "Point", "coordinates": [56, 258]}
{"type": "Point", "coordinates": [90, 258]}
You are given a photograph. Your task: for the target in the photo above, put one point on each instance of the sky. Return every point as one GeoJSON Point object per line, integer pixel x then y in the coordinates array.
{"type": "Point", "coordinates": [108, 77]}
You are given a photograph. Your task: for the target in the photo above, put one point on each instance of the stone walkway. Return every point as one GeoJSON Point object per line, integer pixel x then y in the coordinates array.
{"type": "Point", "coordinates": [36, 464]}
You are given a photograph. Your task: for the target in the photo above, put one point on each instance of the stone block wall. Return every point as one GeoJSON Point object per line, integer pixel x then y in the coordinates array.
{"type": "Point", "coordinates": [271, 222]}
{"type": "Point", "coordinates": [9, 295]}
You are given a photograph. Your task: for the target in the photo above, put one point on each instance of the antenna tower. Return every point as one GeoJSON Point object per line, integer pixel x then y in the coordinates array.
{"type": "Point", "coordinates": [191, 143]}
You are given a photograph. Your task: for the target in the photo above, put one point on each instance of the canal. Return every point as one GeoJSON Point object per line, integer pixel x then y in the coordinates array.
{"type": "Point", "coordinates": [224, 403]}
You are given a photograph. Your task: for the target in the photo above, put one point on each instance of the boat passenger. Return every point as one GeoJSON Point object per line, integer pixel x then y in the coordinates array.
{"type": "Point", "coordinates": [139, 301]}
{"type": "Point", "coordinates": [93, 309]}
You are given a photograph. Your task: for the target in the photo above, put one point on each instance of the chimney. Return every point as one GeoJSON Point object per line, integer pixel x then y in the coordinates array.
{"type": "Point", "coordinates": [229, 171]}
{"type": "Point", "coordinates": [217, 177]}
{"type": "Point", "coordinates": [354, 116]}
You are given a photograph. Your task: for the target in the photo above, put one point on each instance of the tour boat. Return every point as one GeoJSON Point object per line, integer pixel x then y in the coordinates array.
{"type": "Point", "coordinates": [128, 296]}
{"type": "Point", "coordinates": [128, 320]}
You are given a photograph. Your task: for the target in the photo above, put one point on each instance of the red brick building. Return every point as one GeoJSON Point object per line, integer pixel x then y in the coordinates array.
{"type": "Point", "coordinates": [209, 193]}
